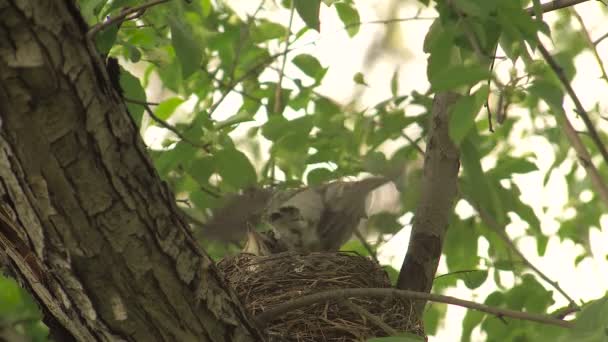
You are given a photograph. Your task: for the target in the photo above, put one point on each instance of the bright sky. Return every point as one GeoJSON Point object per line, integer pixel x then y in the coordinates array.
{"type": "Point", "coordinates": [345, 57]}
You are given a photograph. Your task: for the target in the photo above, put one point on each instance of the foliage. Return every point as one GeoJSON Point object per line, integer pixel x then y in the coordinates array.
{"type": "Point", "coordinates": [20, 318]}
{"type": "Point", "coordinates": [278, 126]}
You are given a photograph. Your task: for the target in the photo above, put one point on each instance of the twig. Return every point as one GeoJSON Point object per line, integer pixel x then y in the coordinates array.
{"type": "Point", "coordinates": [577, 144]}
{"type": "Point", "coordinates": [387, 21]}
{"type": "Point", "coordinates": [248, 73]}
{"type": "Point", "coordinates": [377, 321]}
{"type": "Point", "coordinates": [121, 17]}
{"type": "Point", "coordinates": [366, 245]}
{"type": "Point", "coordinates": [278, 90]}
{"type": "Point", "coordinates": [495, 226]}
{"type": "Point", "coordinates": [413, 143]}
{"type": "Point", "coordinates": [146, 105]}
{"type": "Point", "coordinates": [592, 46]}
{"type": "Point", "coordinates": [267, 316]}
{"type": "Point", "coordinates": [600, 39]}
{"type": "Point", "coordinates": [554, 5]}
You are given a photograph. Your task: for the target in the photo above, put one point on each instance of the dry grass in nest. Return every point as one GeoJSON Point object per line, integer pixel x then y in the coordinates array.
{"type": "Point", "coordinates": [264, 282]}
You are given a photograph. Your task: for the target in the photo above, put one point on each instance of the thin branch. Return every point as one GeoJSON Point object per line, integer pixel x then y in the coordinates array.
{"type": "Point", "coordinates": [122, 16]}
{"type": "Point", "coordinates": [366, 245]}
{"type": "Point", "coordinates": [554, 5]}
{"type": "Point", "coordinates": [146, 105]}
{"type": "Point", "coordinates": [234, 83]}
{"type": "Point", "coordinates": [600, 39]}
{"type": "Point", "coordinates": [267, 316]}
{"type": "Point", "coordinates": [387, 21]}
{"type": "Point", "coordinates": [575, 140]}
{"type": "Point", "coordinates": [278, 90]}
{"type": "Point", "coordinates": [495, 226]}
{"type": "Point", "coordinates": [368, 315]}
{"type": "Point", "coordinates": [592, 46]}
{"type": "Point", "coordinates": [413, 143]}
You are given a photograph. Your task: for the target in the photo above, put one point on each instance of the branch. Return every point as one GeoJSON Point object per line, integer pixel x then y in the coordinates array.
{"type": "Point", "coordinates": [138, 10]}
{"type": "Point", "coordinates": [381, 293]}
{"type": "Point", "coordinates": [438, 195]}
{"type": "Point", "coordinates": [277, 92]}
{"type": "Point", "coordinates": [554, 5]}
{"type": "Point", "coordinates": [377, 321]}
{"type": "Point", "coordinates": [575, 140]}
{"type": "Point", "coordinates": [146, 105]}
{"type": "Point", "coordinates": [489, 220]}
{"type": "Point", "coordinates": [591, 44]}
{"type": "Point", "coordinates": [366, 245]}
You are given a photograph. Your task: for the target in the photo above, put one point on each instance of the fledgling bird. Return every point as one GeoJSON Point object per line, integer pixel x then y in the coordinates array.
{"type": "Point", "coordinates": [308, 219]}
{"type": "Point", "coordinates": [319, 218]}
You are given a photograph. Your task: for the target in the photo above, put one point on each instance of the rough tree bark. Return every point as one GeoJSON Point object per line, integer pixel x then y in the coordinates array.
{"type": "Point", "coordinates": [96, 236]}
{"type": "Point", "coordinates": [438, 194]}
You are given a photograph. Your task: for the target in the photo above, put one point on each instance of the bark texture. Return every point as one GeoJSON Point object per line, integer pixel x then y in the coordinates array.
{"type": "Point", "coordinates": [87, 225]}
{"type": "Point", "coordinates": [438, 193]}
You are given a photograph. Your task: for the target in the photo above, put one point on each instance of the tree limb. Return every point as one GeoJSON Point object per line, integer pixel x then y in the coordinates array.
{"type": "Point", "coordinates": [267, 316]}
{"type": "Point", "coordinates": [439, 191]}
{"type": "Point", "coordinates": [577, 144]}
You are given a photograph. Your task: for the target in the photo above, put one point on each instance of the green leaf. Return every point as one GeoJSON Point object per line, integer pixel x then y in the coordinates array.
{"type": "Point", "coordinates": [455, 76]}
{"type": "Point", "coordinates": [395, 83]}
{"type": "Point", "coordinates": [188, 49]}
{"type": "Point", "coordinates": [235, 168]}
{"type": "Point", "coordinates": [132, 89]}
{"type": "Point", "coordinates": [234, 120]}
{"type": "Point", "coordinates": [166, 108]}
{"type": "Point", "coordinates": [106, 38]}
{"type": "Point", "coordinates": [310, 66]}
{"type": "Point", "coordinates": [462, 117]}
{"type": "Point", "coordinates": [478, 187]}
{"type": "Point", "coordinates": [359, 78]}
{"type": "Point", "coordinates": [319, 176]}
{"type": "Point", "coordinates": [267, 30]}
{"type": "Point", "coordinates": [591, 324]}
{"type": "Point", "coordinates": [349, 16]}
{"type": "Point", "coordinates": [507, 166]}
{"type": "Point", "coordinates": [309, 12]}
{"type": "Point", "coordinates": [470, 7]}
{"type": "Point", "coordinates": [473, 280]}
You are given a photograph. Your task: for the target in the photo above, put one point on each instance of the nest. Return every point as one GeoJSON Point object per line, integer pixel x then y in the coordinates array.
{"type": "Point", "coordinates": [262, 282]}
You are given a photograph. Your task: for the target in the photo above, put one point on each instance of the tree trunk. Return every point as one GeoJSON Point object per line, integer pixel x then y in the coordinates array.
{"type": "Point", "coordinates": [95, 234]}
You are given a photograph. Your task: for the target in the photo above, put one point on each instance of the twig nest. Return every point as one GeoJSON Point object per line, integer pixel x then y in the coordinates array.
{"type": "Point", "coordinates": [262, 282]}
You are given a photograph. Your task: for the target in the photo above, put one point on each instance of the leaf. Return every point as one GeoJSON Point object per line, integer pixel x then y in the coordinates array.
{"type": "Point", "coordinates": [395, 83]}
{"type": "Point", "coordinates": [507, 166]}
{"type": "Point", "coordinates": [478, 188]}
{"type": "Point", "coordinates": [454, 76]}
{"type": "Point", "coordinates": [133, 90]}
{"type": "Point", "coordinates": [470, 7]}
{"type": "Point", "coordinates": [319, 176]}
{"type": "Point", "coordinates": [233, 120]}
{"type": "Point", "coordinates": [349, 16]}
{"type": "Point", "coordinates": [359, 78]}
{"type": "Point", "coordinates": [235, 168]}
{"type": "Point", "coordinates": [473, 280]}
{"type": "Point", "coordinates": [309, 12]}
{"type": "Point", "coordinates": [462, 117]}
{"type": "Point", "coordinates": [267, 30]}
{"type": "Point", "coordinates": [310, 66]}
{"type": "Point", "coordinates": [166, 108]}
{"type": "Point", "coordinates": [106, 38]}
{"type": "Point", "coordinates": [590, 324]}
{"type": "Point", "coordinates": [188, 49]}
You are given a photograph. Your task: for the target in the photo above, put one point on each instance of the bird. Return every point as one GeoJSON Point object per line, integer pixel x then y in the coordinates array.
{"type": "Point", "coordinates": [319, 218]}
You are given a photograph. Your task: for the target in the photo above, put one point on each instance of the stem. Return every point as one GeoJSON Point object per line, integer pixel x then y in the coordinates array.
{"type": "Point", "coordinates": [267, 316]}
